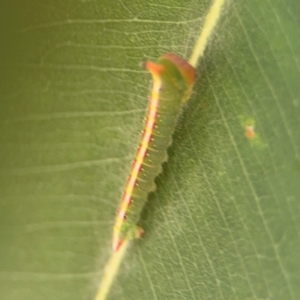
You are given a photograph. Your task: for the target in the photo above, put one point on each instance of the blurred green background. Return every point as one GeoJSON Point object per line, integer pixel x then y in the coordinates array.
{"type": "Point", "coordinates": [224, 221]}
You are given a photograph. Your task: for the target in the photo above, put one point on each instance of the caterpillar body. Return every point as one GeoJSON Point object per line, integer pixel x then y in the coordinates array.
{"type": "Point", "coordinates": [173, 80]}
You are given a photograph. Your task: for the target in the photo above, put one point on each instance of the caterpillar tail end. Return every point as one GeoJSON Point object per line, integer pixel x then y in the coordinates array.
{"type": "Point", "coordinates": [118, 242]}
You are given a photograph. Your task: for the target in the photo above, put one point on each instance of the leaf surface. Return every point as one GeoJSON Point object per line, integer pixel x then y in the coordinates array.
{"type": "Point", "coordinates": [224, 221]}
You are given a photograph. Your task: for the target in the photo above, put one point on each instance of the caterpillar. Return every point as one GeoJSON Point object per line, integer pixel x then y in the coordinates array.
{"type": "Point", "coordinates": [173, 80]}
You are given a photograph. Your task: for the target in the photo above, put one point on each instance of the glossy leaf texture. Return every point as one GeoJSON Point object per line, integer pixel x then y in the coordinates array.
{"type": "Point", "coordinates": [224, 221]}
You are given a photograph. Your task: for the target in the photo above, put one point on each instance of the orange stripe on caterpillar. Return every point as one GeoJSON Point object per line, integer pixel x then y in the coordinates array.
{"type": "Point", "coordinates": [146, 138]}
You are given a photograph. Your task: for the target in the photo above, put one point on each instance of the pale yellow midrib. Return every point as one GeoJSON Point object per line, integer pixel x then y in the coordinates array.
{"type": "Point", "coordinates": [210, 23]}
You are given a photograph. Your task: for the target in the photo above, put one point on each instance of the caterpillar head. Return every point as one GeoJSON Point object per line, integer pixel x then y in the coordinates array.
{"type": "Point", "coordinates": [174, 73]}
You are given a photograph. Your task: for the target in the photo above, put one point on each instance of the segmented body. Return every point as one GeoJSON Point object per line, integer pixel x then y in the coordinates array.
{"type": "Point", "coordinates": [173, 79]}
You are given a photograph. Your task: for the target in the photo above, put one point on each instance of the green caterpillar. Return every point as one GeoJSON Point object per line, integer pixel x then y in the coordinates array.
{"type": "Point", "coordinates": [173, 80]}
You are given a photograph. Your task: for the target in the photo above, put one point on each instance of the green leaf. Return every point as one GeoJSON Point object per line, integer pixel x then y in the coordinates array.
{"type": "Point", "coordinates": [224, 221]}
